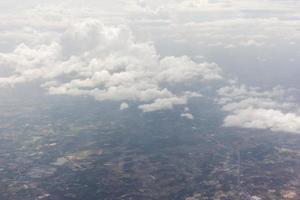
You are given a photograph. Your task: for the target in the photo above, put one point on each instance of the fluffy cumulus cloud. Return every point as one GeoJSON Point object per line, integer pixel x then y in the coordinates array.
{"type": "Point", "coordinates": [260, 118]}
{"type": "Point", "coordinates": [105, 62]}
{"type": "Point", "coordinates": [163, 103]}
{"type": "Point", "coordinates": [249, 107]}
{"type": "Point", "coordinates": [187, 116]}
{"type": "Point", "coordinates": [124, 106]}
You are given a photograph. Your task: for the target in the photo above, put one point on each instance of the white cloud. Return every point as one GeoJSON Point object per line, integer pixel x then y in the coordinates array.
{"type": "Point", "coordinates": [259, 118]}
{"type": "Point", "coordinates": [67, 49]}
{"type": "Point", "coordinates": [163, 104]}
{"type": "Point", "coordinates": [105, 62]}
{"type": "Point", "coordinates": [187, 116]}
{"type": "Point", "coordinates": [124, 106]}
{"type": "Point", "coordinates": [246, 26]}
{"type": "Point", "coordinates": [253, 108]}
{"type": "Point", "coordinates": [182, 69]}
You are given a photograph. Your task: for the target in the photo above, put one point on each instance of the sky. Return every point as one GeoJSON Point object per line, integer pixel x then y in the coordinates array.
{"type": "Point", "coordinates": [158, 55]}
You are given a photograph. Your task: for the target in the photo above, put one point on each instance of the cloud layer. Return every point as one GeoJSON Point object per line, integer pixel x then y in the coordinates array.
{"type": "Point", "coordinates": [105, 62]}
{"type": "Point", "coordinates": [157, 55]}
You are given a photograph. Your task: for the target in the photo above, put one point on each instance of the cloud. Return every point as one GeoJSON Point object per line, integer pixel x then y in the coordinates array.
{"type": "Point", "coordinates": [212, 26]}
{"type": "Point", "coordinates": [187, 116]}
{"type": "Point", "coordinates": [183, 69]}
{"type": "Point", "coordinates": [163, 104]}
{"type": "Point", "coordinates": [259, 118]}
{"type": "Point", "coordinates": [79, 49]}
{"type": "Point", "coordinates": [249, 107]}
{"type": "Point", "coordinates": [91, 59]}
{"type": "Point", "coordinates": [124, 106]}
